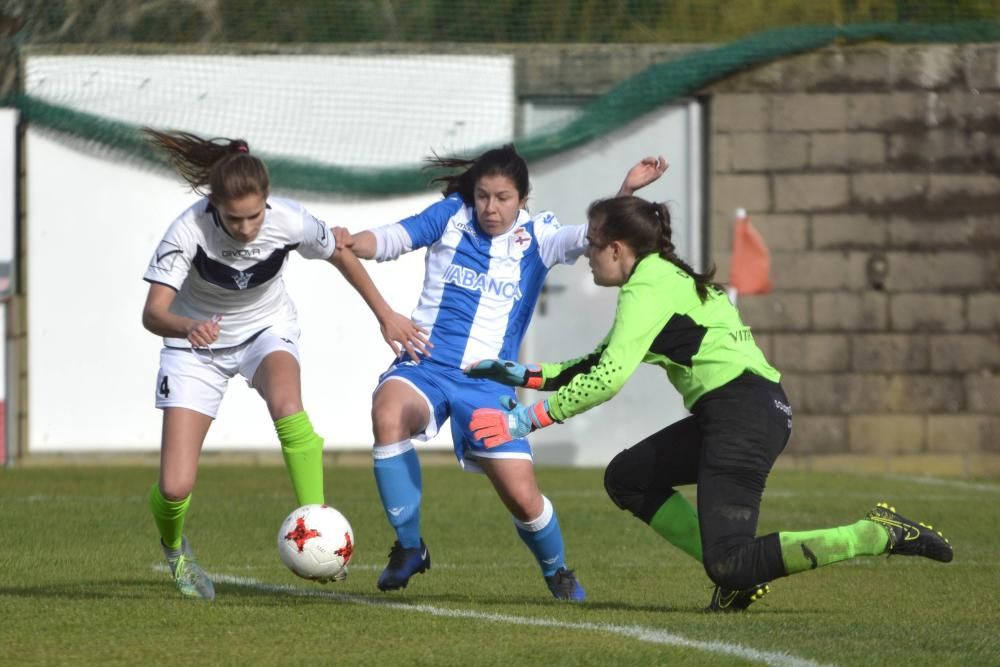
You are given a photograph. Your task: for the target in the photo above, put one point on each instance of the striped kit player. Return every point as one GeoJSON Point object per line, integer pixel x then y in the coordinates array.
{"type": "Point", "coordinates": [486, 261]}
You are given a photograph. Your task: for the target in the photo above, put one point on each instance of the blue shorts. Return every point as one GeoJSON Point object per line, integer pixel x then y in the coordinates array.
{"type": "Point", "coordinates": [450, 393]}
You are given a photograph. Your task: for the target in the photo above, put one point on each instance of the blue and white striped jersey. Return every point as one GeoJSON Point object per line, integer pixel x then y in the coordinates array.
{"type": "Point", "coordinates": [479, 291]}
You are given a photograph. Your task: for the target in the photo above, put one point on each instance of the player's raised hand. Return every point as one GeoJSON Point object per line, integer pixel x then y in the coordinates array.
{"type": "Point", "coordinates": [203, 333]}
{"type": "Point", "coordinates": [507, 372]}
{"type": "Point", "coordinates": [496, 427]}
{"type": "Point", "coordinates": [405, 337]}
{"type": "Point", "coordinates": [648, 170]}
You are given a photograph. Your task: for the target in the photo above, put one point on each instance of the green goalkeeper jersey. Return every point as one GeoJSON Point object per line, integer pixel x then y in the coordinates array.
{"type": "Point", "coordinates": [660, 320]}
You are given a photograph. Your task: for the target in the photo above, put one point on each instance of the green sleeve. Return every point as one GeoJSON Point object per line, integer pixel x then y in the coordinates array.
{"type": "Point", "coordinates": [556, 375]}
{"type": "Point", "coordinates": [589, 381]}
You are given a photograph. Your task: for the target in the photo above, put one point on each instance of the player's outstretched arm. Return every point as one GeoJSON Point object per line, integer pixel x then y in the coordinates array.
{"type": "Point", "coordinates": [398, 331]}
{"type": "Point", "coordinates": [513, 421]}
{"type": "Point", "coordinates": [362, 244]}
{"type": "Point", "coordinates": [507, 372]}
{"type": "Point", "coordinates": [648, 170]}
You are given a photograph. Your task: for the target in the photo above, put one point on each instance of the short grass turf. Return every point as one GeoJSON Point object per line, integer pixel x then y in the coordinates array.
{"type": "Point", "coordinates": [82, 579]}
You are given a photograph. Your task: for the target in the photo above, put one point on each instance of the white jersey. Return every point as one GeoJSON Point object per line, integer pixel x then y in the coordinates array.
{"type": "Point", "coordinates": [479, 291]}
{"type": "Point", "coordinates": [214, 274]}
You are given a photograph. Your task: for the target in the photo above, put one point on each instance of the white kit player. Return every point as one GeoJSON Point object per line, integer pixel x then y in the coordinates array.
{"type": "Point", "coordinates": [217, 298]}
{"type": "Point", "coordinates": [486, 261]}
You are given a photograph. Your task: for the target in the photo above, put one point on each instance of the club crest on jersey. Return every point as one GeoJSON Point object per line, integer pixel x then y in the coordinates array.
{"type": "Point", "coordinates": [521, 238]}
{"type": "Point", "coordinates": [518, 243]}
{"type": "Point", "coordinates": [242, 279]}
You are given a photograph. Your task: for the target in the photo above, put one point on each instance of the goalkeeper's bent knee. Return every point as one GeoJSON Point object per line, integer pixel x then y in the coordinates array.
{"type": "Point", "coordinates": [619, 483]}
{"type": "Point", "coordinates": [632, 484]}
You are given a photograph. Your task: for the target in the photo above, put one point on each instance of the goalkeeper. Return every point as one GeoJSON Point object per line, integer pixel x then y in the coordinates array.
{"type": "Point", "coordinates": [671, 316]}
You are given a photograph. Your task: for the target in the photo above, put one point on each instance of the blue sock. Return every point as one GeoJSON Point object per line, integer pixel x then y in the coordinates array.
{"type": "Point", "coordinates": [397, 475]}
{"type": "Point", "coordinates": [544, 538]}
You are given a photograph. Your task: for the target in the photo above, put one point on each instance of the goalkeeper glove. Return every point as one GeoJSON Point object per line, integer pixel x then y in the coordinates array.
{"type": "Point", "coordinates": [496, 427]}
{"type": "Point", "coordinates": [507, 372]}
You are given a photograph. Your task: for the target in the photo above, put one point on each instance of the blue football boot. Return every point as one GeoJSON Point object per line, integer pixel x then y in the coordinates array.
{"type": "Point", "coordinates": [564, 586]}
{"type": "Point", "coordinates": [403, 564]}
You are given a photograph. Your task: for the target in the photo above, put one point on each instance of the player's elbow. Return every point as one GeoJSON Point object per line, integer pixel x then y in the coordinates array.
{"type": "Point", "coordinates": [148, 320]}
{"type": "Point", "coordinates": [152, 320]}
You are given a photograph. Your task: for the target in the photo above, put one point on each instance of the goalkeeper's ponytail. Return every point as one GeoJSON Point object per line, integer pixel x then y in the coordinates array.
{"type": "Point", "coordinates": [646, 227]}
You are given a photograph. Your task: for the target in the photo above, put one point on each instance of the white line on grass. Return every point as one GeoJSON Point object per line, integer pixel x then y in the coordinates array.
{"type": "Point", "coordinates": [953, 483]}
{"type": "Point", "coordinates": [644, 634]}
{"type": "Point", "coordinates": [868, 498]}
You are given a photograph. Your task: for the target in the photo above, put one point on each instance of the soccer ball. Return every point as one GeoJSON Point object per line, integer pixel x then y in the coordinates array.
{"type": "Point", "coordinates": [316, 542]}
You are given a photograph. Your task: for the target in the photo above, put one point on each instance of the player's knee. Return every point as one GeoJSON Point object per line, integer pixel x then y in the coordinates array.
{"type": "Point", "coordinates": [620, 483]}
{"type": "Point", "coordinates": [526, 509]}
{"type": "Point", "coordinates": [392, 429]}
{"type": "Point", "coordinates": [286, 406]}
{"type": "Point", "coordinates": [387, 423]}
{"type": "Point", "coordinates": [729, 570]}
{"type": "Point", "coordinates": [176, 491]}
{"type": "Point", "coordinates": [395, 420]}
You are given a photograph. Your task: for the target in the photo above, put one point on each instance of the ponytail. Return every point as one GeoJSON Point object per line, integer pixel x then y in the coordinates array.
{"type": "Point", "coordinates": [646, 227]}
{"type": "Point", "coordinates": [223, 169]}
{"type": "Point", "coordinates": [503, 161]}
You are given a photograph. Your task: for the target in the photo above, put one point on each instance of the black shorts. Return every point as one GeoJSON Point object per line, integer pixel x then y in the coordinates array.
{"type": "Point", "coordinates": [727, 447]}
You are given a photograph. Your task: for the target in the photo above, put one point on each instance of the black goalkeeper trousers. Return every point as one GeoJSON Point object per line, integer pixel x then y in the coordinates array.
{"type": "Point", "coordinates": [727, 447]}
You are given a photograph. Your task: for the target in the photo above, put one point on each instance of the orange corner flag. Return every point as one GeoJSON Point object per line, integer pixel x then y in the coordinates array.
{"type": "Point", "coordinates": [750, 264]}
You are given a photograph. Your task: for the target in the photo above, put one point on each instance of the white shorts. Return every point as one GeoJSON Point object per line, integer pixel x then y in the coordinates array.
{"type": "Point", "coordinates": [196, 379]}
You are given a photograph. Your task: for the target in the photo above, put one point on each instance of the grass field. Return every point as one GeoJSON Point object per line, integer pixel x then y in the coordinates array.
{"type": "Point", "coordinates": [82, 579]}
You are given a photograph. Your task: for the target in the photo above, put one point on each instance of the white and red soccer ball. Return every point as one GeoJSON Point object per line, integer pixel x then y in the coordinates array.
{"type": "Point", "coordinates": [316, 542]}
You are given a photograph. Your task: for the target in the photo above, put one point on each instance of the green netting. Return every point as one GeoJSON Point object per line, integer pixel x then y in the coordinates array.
{"type": "Point", "coordinates": [457, 21]}
{"type": "Point", "coordinates": [671, 80]}
{"type": "Point", "coordinates": [650, 89]}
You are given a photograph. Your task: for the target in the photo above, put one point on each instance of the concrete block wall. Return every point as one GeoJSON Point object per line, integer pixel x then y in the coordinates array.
{"type": "Point", "coordinates": [850, 159]}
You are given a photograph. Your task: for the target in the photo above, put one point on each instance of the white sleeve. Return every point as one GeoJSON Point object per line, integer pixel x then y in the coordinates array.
{"type": "Point", "coordinates": [172, 258]}
{"type": "Point", "coordinates": [558, 244]}
{"type": "Point", "coordinates": [317, 241]}
{"type": "Point", "coordinates": [391, 241]}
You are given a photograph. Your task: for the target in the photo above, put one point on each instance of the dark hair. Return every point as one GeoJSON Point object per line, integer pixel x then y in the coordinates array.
{"type": "Point", "coordinates": [503, 161]}
{"type": "Point", "coordinates": [224, 166]}
{"type": "Point", "coordinates": [645, 227]}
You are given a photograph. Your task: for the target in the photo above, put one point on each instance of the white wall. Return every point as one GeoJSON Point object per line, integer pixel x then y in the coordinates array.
{"type": "Point", "coordinates": [360, 111]}
{"type": "Point", "coordinates": [94, 222]}
{"type": "Point", "coordinates": [8, 154]}
{"type": "Point", "coordinates": [92, 227]}
{"type": "Point", "coordinates": [8, 175]}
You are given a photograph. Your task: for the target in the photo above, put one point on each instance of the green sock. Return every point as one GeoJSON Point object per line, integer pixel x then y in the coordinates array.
{"type": "Point", "coordinates": [810, 549]}
{"type": "Point", "coordinates": [303, 452]}
{"type": "Point", "coordinates": [677, 522]}
{"type": "Point", "coordinates": [169, 516]}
